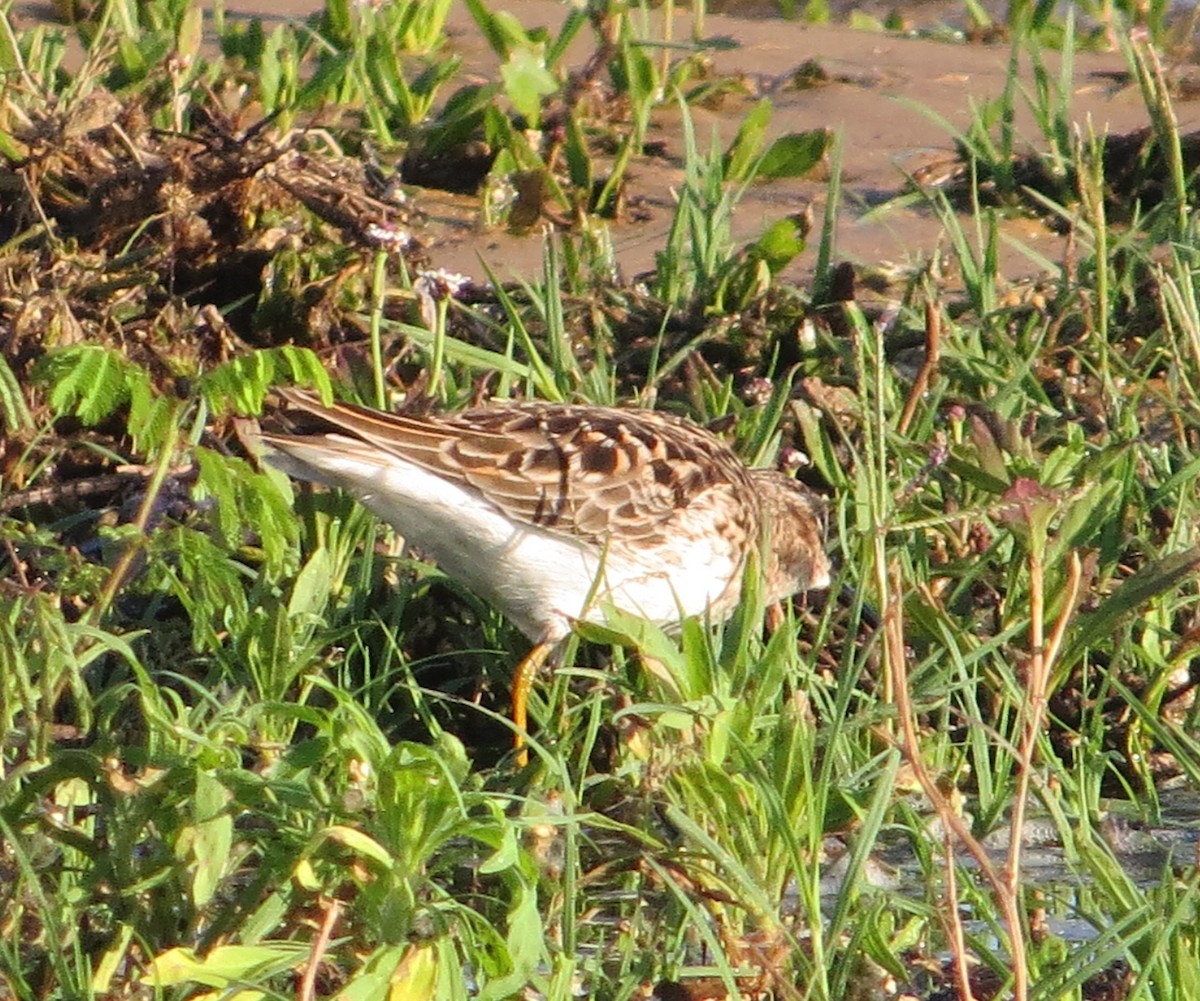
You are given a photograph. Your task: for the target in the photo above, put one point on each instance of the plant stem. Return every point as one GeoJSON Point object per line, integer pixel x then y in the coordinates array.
{"type": "Point", "coordinates": [378, 290]}
{"type": "Point", "coordinates": [141, 524]}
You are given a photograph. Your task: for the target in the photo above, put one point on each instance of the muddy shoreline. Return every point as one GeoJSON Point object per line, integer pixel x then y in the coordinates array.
{"type": "Point", "coordinates": [891, 99]}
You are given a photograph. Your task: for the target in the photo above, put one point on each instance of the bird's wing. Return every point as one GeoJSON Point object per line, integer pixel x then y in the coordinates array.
{"type": "Point", "coordinates": [584, 471]}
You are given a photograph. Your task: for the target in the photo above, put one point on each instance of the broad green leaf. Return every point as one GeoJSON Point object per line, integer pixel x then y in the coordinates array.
{"type": "Point", "coordinates": [212, 837]}
{"type": "Point", "coordinates": [1154, 579]}
{"type": "Point", "coordinates": [271, 72]}
{"type": "Point", "coordinates": [779, 244]}
{"type": "Point", "coordinates": [503, 31]}
{"type": "Point", "coordinates": [190, 34]}
{"type": "Point", "coordinates": [504, 857]}
{"type": "Point", "coordinates": [325, 83]}
{"type": "Point", "coordinates": [415, 977]}
{"type": "Point", "coordinates": [310, 593]}
{"type": "Point", "coordinates": [526, 82]}
{"type": "Point", "coordinates": [225, 965]}
{"type": "Point", "coordinates": [356, 841]}
{"type": "Point", "coordinates": [373, 981]}
{"type": "Point", "coordinates": [793, 155]}
{"type": "Point", "coordinates": [743, 152]}
{"type": "Point", "coordinates": [579, 160]}
{"type": "Point", "coordinates": [526, 943]}
{"type": "Point", "coordinates": [11, 61]}
{"type": "Point", "coordinates": [641, 76]}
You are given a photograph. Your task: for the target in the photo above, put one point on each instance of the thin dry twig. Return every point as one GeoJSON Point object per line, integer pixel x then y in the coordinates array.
{"type": "Point", "coordinates": [952, 919]}
{"type": "Point", "coordinates": [17, 564]}
{"type": "Point", "coordinates": [933, 346]}
{"type": "Point", "coordinates": [320, 943]}
{"type": "Point", "coordinates": [1036, 693]}
{"type": "Point", "coordinates": [106, 483]}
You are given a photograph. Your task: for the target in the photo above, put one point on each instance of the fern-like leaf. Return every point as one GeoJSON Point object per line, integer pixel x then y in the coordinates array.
{"type": "Point", "coordinates": [244, 501]}
{"type": "Point", "coordinates": [92, 382]}
{"type": "Point", "coordinates": [13, 410]}
{"type": "Point", "coordinates": [240, 384]}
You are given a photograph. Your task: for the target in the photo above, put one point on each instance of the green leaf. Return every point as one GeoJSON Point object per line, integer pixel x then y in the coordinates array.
{"type": "Point", "coordinates": [793, 155]}
{"type": "Point", "coordinates": [310, 593]}
{"type": "Point", "coordinates": [860, 21]}
{"type": "Point", "coordinates": [461, 116]}
{"type": "Point", "coordinates": [225, 965]}
{"type": "Point", "coordinates": [246, 500]}
{"type": "Point", "coordinates": [1154, 579]}
{"type": "Point", "coordinates": [975, 475]}
{"type": "Point", "coordinates": [501, 29]}
{"type": "Point", "coordinates": [358, 842]}
{"type": "Point", "coordinates": [579, 161]}
{"type": "Point", "coordinates": [270, 71]}
{"type": "Point", "coordinates": [205, 580]}
{"type": "Point", "coordinates": [371, 982]}
{"type": "Point", "coordinates": [324, 84]}
{"type": "Point", "coordinates": [211, 837]}
{"type": "Point", "coordinates": [416, 975]}
{"type": "Point", "coordinates": [577, 17]}
{"type": "Point", "coordinates": [150, 415]}
{"type": "Point", "coordinates": [90, 382]}
{"type": "Point", "coordinates": [241, 384]}
{"type": "Point", "coordinates": [338, 24]}
{"type": "Point", "coordinates": [641, 76]}
{"type": "Point", "coordinates": [505, 856]}
{"type": "Point", "coordinates": [526, 82]}
{"type": "Point", "coordinates": [13, 410]}
{"type": "Point", "coordinates": [739, 160]}
{"type": "Point", "coordinates": [130, 59]}
{"type": "Point", "coordinates": [473, 357]}
{"type": "Point", "coordinates": [779, 245]}
{"type": "Point", "coordinates": [526, 945]}
{"type": "Point", "coordinates": [11, 61]}
{"type": "Point", "coordinates": [190, 34]}
{"type": "Point", "coordinates": [622, 629]}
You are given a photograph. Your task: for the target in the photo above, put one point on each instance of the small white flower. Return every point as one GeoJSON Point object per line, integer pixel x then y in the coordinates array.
{"type": "Point", "coordinates": [433, 287]}
{"type": "Point", "coordinates": [758, 390]}
{"type": "Point", "coordinates": [389, 236]}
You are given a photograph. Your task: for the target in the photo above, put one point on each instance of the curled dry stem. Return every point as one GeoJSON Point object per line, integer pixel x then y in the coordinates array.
{"type": "Point", "coordinates": [952, 822]}
{"type": "Point", "coordinates": [920, 386]}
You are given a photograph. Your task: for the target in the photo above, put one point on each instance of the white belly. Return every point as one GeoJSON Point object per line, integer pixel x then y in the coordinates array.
{"type": "Point", "coordinates": [540, 579]}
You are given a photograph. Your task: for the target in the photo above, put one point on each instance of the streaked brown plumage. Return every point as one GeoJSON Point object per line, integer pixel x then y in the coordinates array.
{"type": "Point", "coordinates": [549, 511]}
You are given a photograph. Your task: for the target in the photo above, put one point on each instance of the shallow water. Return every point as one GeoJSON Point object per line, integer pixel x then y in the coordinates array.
{"type": "Point", "coordinates": [1145, 852]}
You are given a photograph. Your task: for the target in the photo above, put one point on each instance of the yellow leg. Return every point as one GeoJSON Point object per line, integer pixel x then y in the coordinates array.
{"type": "Point", "coordinates": [523, 681]}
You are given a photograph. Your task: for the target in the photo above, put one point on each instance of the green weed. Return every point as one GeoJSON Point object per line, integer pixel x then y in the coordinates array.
{"type": "Point", "coordinates": [247, 745]}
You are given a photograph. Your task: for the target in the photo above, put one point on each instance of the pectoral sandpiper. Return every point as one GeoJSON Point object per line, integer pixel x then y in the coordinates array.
{"type": "Point", "coordinates": [551, 511]}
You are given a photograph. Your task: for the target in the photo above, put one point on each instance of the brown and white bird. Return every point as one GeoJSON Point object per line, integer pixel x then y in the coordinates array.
{"type": "Point", "coordinates": [551, 511]}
